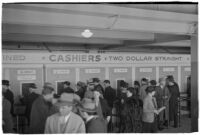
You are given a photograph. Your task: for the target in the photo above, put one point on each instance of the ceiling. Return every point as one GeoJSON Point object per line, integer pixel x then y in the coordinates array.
{"type": "Point", "coordinates": [115, 27]}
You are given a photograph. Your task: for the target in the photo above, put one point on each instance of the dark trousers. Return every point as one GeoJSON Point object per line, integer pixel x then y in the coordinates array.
{"type": "Point", "coordinates": [149, 127]}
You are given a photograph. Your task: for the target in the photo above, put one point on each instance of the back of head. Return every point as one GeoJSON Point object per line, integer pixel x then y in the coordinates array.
{"type": "Point", "coordinates": [153, 82]}
{"type": "Point", "coordinates": [144, 81]}
{"type": "Point", "coordinates": [150, 89]}
{"type": "Point", "coordinates": [123, 84]}
{"type": "Point", "coordinates": [47, 90]}
{"type": "Point", "coordinates": [107, 81]}
{"type": "Point", "coordinates": [170, 78]}
{"type": "Point", "coordinates": [136, 83]}
{"type": "Point", "coordinates": [96, 80]}
{"type": "Point", "coordinates": [67, 83]}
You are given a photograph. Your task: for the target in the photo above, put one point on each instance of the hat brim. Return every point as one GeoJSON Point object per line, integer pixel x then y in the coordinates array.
{"type": "Point", "coordinates": [64, 103]}
{"type": "Point", "coordinates": [87, 110]}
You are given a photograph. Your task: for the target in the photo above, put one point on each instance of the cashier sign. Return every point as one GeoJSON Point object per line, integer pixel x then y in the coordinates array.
{"type": "Point", "coordinates": [91, 58]}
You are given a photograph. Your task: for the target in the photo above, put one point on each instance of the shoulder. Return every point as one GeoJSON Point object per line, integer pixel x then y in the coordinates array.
{"type": "Point", "coordinates": [76, 117]}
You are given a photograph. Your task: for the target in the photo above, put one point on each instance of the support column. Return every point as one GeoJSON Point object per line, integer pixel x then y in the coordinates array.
{"type": "Point", "coordinates": [194, 83]}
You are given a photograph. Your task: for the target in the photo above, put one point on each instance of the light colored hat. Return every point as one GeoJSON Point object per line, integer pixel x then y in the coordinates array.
{"type": "Point", "coordinates": [88, 105]}
{"type": "Point", "coordinates": [66, 99]}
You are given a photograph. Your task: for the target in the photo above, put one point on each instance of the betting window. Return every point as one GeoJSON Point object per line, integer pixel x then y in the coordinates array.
{"type": "Point", "coordinates": [24, 88]}
{"type": "Point", "coordinates": [59, 86]}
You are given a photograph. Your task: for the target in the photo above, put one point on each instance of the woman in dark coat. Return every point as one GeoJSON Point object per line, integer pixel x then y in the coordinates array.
{"type": "Point", "coordinates": [173, 101]}
{"type": "Point", "coordinates": [131, 113]}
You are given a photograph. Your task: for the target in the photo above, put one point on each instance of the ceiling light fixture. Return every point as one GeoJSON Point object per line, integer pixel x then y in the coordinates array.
{"type": "Point", "coordinates": [87, 33]}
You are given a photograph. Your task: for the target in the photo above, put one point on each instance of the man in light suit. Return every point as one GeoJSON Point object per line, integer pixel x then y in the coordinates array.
{"type": "Point", "coordinates": [65, 121]}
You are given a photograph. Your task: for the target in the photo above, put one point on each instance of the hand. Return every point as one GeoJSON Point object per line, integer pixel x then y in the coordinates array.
{"type": "Point", "coordinates": [156, 112]}
{"type": "Point", "coordinates": [108, 118]}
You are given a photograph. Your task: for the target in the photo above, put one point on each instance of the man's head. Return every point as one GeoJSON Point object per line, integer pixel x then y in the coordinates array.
{"type": "Point", "coordinates": [96, 81]}
{"type": "Point", "coordinates": [150, 90]}
{"type": "Point", "coordinates": [162, 81]}
{"type": "Point", "coordinates": [152, 83]}
{"type": "Point", "coordinates": [5, 85]}
{"type": "Point", "coordinates": [32, 87]}
{"type": "Point", "coordinates": [66, 84]}
{"type": "Point", "coordinates": [106, 83]}
{"type": "Point", "coordinates": [136, 84]}
{"type": "Point", "coordinates": [144, 81]}
{"type": "Point", "coordinates": [123, 86]}
{"type": "Point", "coordinates": [87, 108]}
{"type": "Point", "coordinates": [170, 80]}
{"type": "Point", "coordinates": [65, 103]}
{"type": "Point", "coordinates": [130, 92]}
{"type": "Point", "coordinates": [48, 93]}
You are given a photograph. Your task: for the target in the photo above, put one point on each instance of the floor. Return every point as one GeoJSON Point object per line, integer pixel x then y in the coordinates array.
{"type": "Point", "coordinates": [185, 126]}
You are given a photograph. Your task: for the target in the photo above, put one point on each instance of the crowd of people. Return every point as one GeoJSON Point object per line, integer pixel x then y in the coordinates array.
{"type": "Point", "coordinates": [146, 107]}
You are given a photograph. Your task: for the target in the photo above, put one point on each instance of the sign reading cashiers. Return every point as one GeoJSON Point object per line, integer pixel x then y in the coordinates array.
{"type": "Point", "coordinates": [92, 58]}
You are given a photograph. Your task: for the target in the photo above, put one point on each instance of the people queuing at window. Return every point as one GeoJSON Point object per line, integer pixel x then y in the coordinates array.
{"type": "Point", "coordinates": [96, 108]}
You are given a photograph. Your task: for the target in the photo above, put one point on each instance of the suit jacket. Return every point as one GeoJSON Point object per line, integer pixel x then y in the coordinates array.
{"type": "Point", "coordinates": [74, 124]}
{"type": "Point", "coordinates": [148, 109]}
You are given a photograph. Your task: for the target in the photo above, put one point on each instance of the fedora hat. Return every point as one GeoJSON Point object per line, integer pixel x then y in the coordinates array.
{"type": "Point", "coordinates": [5, 82]}
{"type": "Point", "coordinates": [88, 105]}
{"type": "Point", "coordinates": [66, 99]}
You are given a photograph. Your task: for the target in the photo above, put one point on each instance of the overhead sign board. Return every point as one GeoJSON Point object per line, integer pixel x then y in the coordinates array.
{"type": "Point", "coordinates": [72, 58]}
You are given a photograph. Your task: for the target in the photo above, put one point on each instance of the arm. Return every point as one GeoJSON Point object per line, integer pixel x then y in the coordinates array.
{"type": "Point", "coordinates": [81, 128]}
{"type": "Point", "coordinates": [47, 127]}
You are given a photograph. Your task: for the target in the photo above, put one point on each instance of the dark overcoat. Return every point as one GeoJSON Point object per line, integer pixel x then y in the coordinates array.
{"type": "Point", "coordinates": [110, 95]}
{"type": "Point", "coordinates": [173, 101]}
{"type": "Point", "coordinates": [41, 109]}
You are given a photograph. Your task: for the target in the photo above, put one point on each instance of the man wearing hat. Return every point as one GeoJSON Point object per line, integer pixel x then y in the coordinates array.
{"type": "Point", "coordinates": [29, 99]}
{"type": "Point", "coordinates": [65, 121]}
{"type": "Point", "coordinates": [94, 123]}
{"type": "Point", "coordinates": [97, 86]}
{"type": "Point", "coordinates": [42, 108]}
{"type": "Point", "coordinates": [173, 100]}
{"type": "Point", "coordinates": [66, 88]}
{"type": "Point", "coordinates": [7, 93]}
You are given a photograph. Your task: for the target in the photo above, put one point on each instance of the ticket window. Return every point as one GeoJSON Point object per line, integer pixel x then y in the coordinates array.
{"type": "Point", "coordinates": [165, 71]}
{"type": "Point", "coordinates": [59, 86]}
{"type": "Point", "coordinates": [25, 88]}
{"type": "Point", "coordinates": [145, 72]}
{"type": "Point", "coordinates": [20, 76]}
{"type": "Point", "coordinates": [88, 73]}
{"type": "Point", "coordinates": [120, 73]}
{"type": "Point", "coordinates": [57, 75]}
{"type": "Point", "coordinates": [185, 77]}
{"type": "Point", "coordinates": [118, 85]}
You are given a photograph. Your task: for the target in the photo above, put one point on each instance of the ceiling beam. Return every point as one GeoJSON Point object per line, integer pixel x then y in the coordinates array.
{"type": "Point", "coordinates": [18, 37]}
{"type": "Point", "coordinates": [17, 16]}
{"type": "Point", "coordinates": [159, 38]}
{"type": "Point", "coordinates": [75, 32]}
{"type": "Point", "coordinates": [116, 10]}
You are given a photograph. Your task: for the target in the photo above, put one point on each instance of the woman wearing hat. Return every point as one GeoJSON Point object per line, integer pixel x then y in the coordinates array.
{"type": "Point", "coordinates": [94, 123]}
{"type": "Point", "coordinates": [65, 121]}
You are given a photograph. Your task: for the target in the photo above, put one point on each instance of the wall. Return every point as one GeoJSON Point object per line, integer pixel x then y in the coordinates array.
{"type": "Point", "coordinates": [56, 67]}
